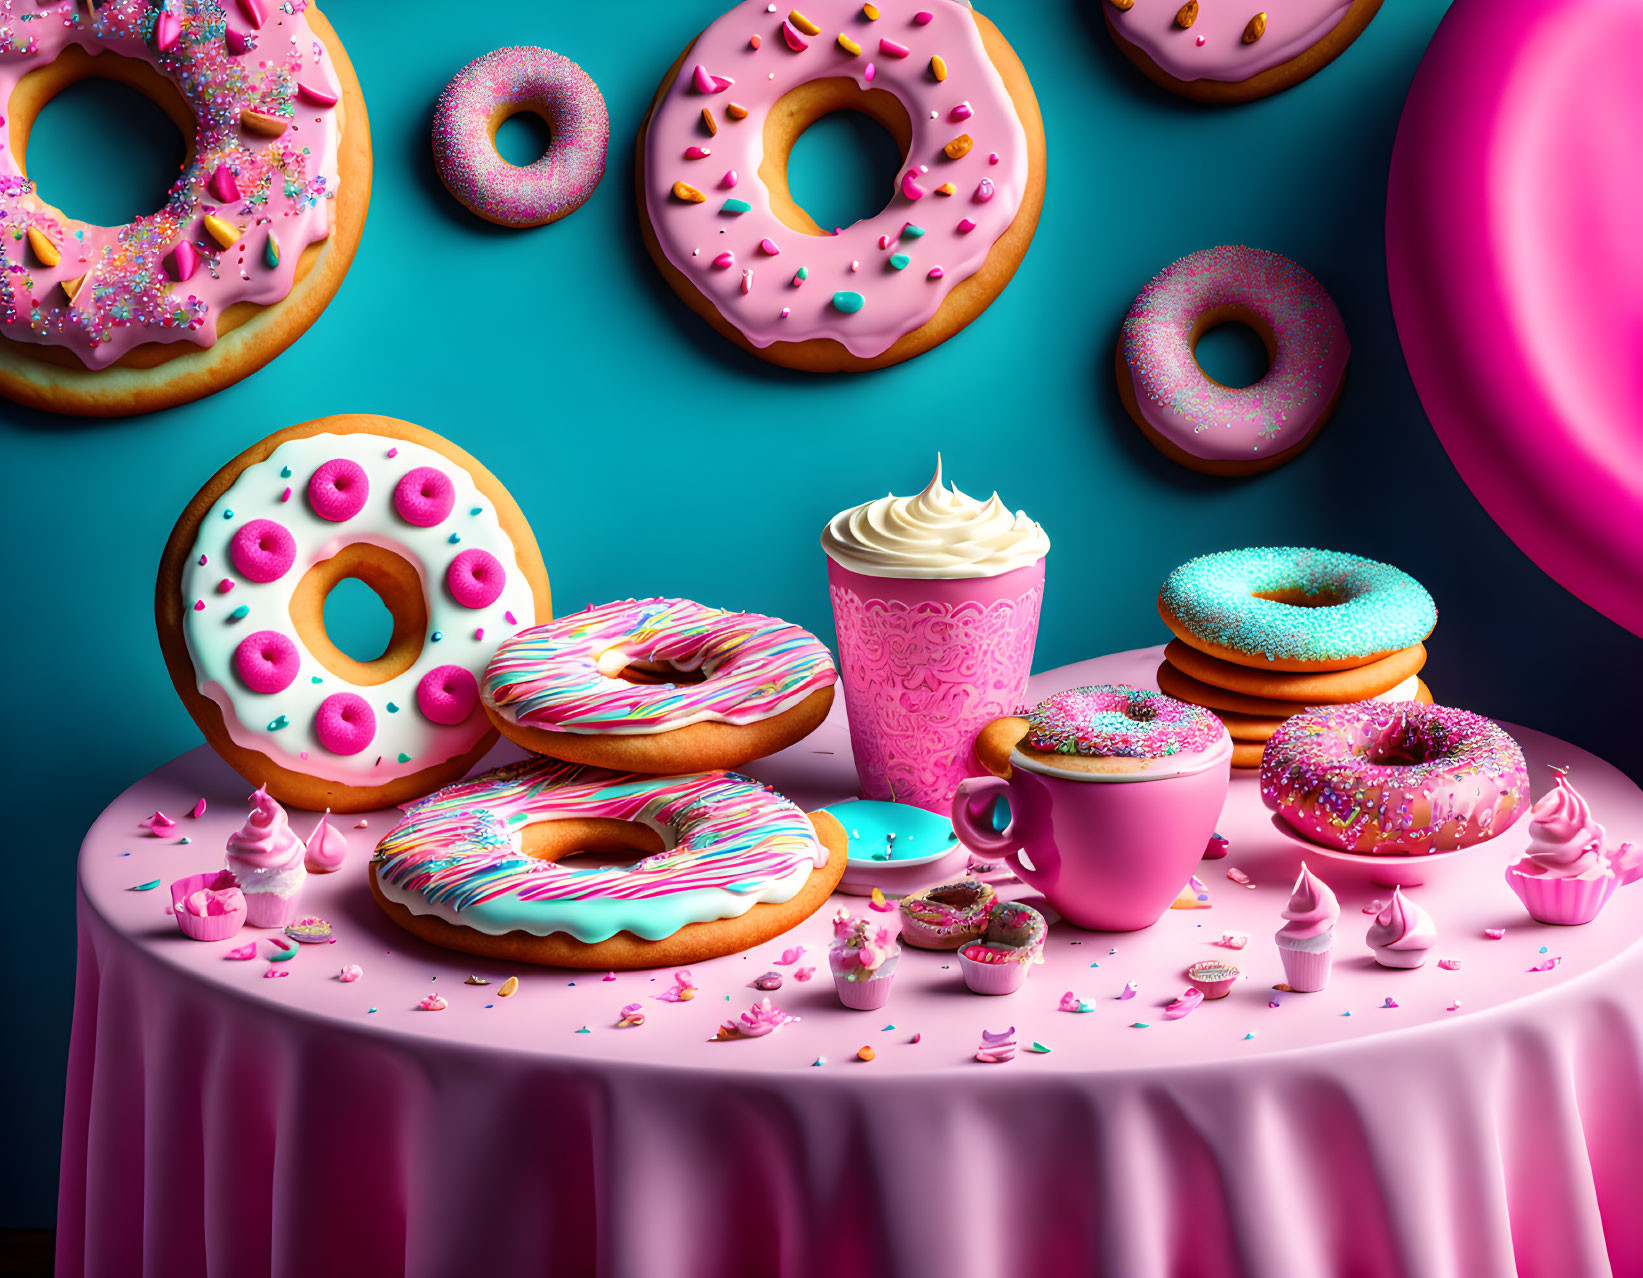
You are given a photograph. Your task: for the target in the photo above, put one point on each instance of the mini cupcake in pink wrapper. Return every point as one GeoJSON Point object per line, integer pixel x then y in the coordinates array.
{"type": "Point", "coordinates": [1011, 944]}
{"type": "Point", "coordinates": [1306, 941]}
{"type": "Point", "coordinates": [1567, 875]}
{"type": "Point", "coordinates": [266, 856]}
{"type": "Point", "coordinates": [863, 960]}
{"type": "Point", "coordinates": [208, 907]}
{"type": "Point", "coordinates": [1402, 933]}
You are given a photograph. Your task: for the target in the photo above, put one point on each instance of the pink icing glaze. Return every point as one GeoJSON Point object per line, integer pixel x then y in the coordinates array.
{"type": "Point", "coordinates": [424, 496]}
{"type": "Point", "coordinates": [327, 847]}
{"type": "Point", "coordinates": [563, 675]}
{"type": "Point", "coordinates": [476, 578]}
{"type": "Point", "coordinates": [345, 723]}
{"type": "Point", "coordinates": [1515, 270]}
{"type": "Point", "coordinates": [265, 841]}
{"type": "Point", "coordinates": [1280, 412]}
{"type": "Point", "coordinates": [338, 490]}
{"type": "Point", "coordinates": [263, 550]}
{"type": "Point", "coordinates": [276, 188]}
{"type": "Point", "coordinates": [892, 301]}
{"type": "Point", "coordinates": [1402, 925]}
{"type": "Point", "coordinates": [1312, 909]}
{"type": "Point", "coordinates": [267, 661]}
{"type": "Point", "coordinates": [1213, 47]}
{"type": "Point", "coordinates": [1564, 841]}
{"type": "Point", "coordinates": [447, 694]}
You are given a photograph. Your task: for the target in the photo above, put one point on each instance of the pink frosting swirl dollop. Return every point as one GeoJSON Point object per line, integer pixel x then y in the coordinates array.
{"type": "Point", "coordinates": [266, 840]}
{"type": "Point", "coordinates": [1402, 925]}
{"type": "Point", "coordinates": [1312, 909]}
{"type": "Point", "coordinates": [1564, 841]}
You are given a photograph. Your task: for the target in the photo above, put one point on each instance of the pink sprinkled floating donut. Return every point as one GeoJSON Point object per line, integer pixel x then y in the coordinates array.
{"type": "Point", "coordinates": [1193, 419]}
{"type": "Point", "coordinates": [241, 609]}
{"type": "Point", "coordinates": [1394, 777]}
{"type": "Point", "coordinates": [728, 236]}
{"type": "Point", "coordinates": [501, 84]}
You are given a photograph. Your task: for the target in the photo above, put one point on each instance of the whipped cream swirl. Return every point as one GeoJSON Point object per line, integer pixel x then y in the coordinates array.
{"type": "Point", "coordinates": [941, 533]}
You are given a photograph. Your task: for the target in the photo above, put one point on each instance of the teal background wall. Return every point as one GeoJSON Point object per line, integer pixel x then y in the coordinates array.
{"type": "Point", "coordinates": [652, 457]}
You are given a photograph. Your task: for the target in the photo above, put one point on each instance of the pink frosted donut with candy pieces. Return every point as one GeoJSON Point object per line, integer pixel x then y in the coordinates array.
{"type": "Point", "coordinates": [242, 609]}
{"type": "Point", "coordinates": [501, 84]}
{"type": "Point", "coordinates": [1189, 416]}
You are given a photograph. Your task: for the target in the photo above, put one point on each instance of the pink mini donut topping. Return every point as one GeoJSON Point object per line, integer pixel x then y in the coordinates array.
{"type": "Point", "coordinates": [338, 490]}
{"type": "Point", "coordinates": [447, 695]}
{"type": "Point", "coordinates": [263, 550]}
{"type": "Point", "coordinates": [345, 723]}
{"type": "Point", "coordinates": [424, 496]}
{"type": "Point", "coordinates": [476, 578]}
{"type": "Point", "coordinates": [267, 661]}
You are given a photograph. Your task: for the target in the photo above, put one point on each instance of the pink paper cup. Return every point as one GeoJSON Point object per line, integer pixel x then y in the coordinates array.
{"type": "Point", "coordinates": [211, 926]}
{"type": "Point", "coordinates": [1562, 902]}
{"type": "Point", "coordinates": [269, 909]}
{"type": "Point", "coordinates": [864, 996]}
{"type": "Point", "coordinates": [1307, 973]}
{"type": "Point", "coordinates": [926, 663]}
{"type": "Point", "coordinates": [993, 978]}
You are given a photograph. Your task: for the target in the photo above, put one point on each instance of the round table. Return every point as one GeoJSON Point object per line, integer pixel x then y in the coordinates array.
{"type": "Point", "coordinates": [1482, 1120]}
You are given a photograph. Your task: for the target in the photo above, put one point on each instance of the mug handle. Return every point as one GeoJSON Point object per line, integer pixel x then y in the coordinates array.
{"type": "Point", "coordinates": [985, 791]}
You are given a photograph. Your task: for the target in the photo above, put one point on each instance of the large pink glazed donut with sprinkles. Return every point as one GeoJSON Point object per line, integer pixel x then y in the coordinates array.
{"type": "Point", "coordinates": [1193, 419]}
{"type": "Point", "coordinates": [1394, 777]}
{"type": "Point", "coordinates": [254, 237]}
{"type": "Point", "coordinates": [725, 863]}
{"type": "Point", "coordinates": [501, 84]}
{"type": "Point", "coordinates": [724, 228]}
{"type": "Point", "coordinates": [659, 685]}
{"type": "Point", "coordinates": [240, 605]}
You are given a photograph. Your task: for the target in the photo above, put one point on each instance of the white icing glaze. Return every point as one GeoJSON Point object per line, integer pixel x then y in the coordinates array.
{"type": "Point", "coordinates": [941, 533]}
{"type": "Point", "coordinates": [212, 636]}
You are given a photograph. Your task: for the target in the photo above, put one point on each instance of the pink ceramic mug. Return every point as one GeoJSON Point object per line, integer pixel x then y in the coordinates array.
{"type": "Point", "coordinates": [1109, 851]}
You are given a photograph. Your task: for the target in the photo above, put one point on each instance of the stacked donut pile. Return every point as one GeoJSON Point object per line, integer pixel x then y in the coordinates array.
{"type": "Point", "coordinates": [1263, 633]}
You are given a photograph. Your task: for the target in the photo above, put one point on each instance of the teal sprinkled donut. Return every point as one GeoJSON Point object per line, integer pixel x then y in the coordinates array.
{"type": "Point", "coordinates": [1290, 608]}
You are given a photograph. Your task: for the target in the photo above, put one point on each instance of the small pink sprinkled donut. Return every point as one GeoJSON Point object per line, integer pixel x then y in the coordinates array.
{"type": "Point", "coordinates": [501, 84]}
{"type": "Point", "coordinates": [1189, 416]}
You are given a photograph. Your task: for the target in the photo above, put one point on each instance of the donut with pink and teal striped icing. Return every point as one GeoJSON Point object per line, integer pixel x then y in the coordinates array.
{"type": "Point", "coordinates": [659, 685]}
{"type": "Point", "coordinates": [501, 84]}
{"type": "Point", "coordinates": [1188, 415]}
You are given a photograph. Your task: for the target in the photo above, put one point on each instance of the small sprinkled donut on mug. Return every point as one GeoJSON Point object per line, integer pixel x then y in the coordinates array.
{"type": "Point", "coordinates": [659, 686]}
{"type": "Point", "coordinates": [1224, 51]}
{"type": "Point", "coordinates": [240, 605]}
{"type": "Point", "coordinates": [722, 224]}
{"type": "Point", "coordinates": [1189, 416]}
{"type": "Point", "coordinates": [254, 237]}
{"type": "Point", "coordinates": [488, 91]}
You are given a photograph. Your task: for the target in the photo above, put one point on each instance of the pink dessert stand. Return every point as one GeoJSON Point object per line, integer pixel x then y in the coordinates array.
{"type": "Point", "coordinates": [222, 1121]}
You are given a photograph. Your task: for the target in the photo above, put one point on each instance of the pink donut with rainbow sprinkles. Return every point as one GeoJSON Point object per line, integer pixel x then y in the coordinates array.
{"type": "Point", "coordinates": [1188, 415]}
{"type": "Point", "coordinates": [728, 236]}
{"type": "Point", "coordinates": [501, 84]}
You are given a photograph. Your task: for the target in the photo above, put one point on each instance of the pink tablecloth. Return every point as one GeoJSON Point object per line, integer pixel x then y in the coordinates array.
{"type": "Point", "coordinates": [222, 1122]}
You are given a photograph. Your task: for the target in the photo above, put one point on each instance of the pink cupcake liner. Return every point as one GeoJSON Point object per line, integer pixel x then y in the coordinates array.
{"type": "Point", "coordinates": [864, 996]}
{"type": "Point", "coordinates": [1565, 902]}
{"type": "Point", "coordinates": [209, 927]}
{"type": "Point", "coordinates": [993, 978]}
{"type": "Point", "coordinates": [1307, 973]}
{"type": "Point", "coordinates": [269, 909]}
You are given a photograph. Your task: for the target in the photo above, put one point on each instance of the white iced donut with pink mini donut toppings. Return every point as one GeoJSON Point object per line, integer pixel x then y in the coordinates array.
{"type": "Point", "coordinates": [721, 222]}
{"type": "Point", "coordinates": [240, 606]}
